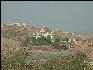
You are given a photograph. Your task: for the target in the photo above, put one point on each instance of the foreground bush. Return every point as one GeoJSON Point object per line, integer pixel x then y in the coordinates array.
{"type": "Point", "coordinates": [70, 62]}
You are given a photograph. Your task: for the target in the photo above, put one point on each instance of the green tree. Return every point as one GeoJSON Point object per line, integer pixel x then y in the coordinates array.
{"type": "Point", "coordinates": [41, 40]}
{"type": "Point", "coordinates": [64, 47]}
{"type": "Point", "coordinates": [56, 46]}
{"type": "Point", "coordinates": [33, 39]}
{"type": "Point", "coordinates": [60, 47]}
{"type": "Point", "coordinates": [48, 39]}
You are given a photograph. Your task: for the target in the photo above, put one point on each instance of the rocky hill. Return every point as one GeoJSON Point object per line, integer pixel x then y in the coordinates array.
{"type": "Point", "coordinates": [16, 32]}
{"type": "Point", "coordinates": [19, 31]}
{"type": "Point", "coordinates": [12, 35]}
{"type": "Point", "coordinates": [9, 43]}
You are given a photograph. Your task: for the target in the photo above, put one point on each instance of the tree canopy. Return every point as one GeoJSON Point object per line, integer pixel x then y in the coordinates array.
{"type": "Point", "coordinates": [40, 41]}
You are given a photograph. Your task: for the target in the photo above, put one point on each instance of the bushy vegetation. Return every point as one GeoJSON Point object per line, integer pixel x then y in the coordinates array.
{"type": "Point", "coordinates": [26, 42]}
{"type": "Point", "coordinates": [40, 41]}
{"type": "Point", "coordinates": [13, 61]}
{"type": "Point", "coordinates": [70, 62]}
{"type": "Point", "coordinates": [60, 47]}
{"type": "Point", "coordinates": [58, 39]}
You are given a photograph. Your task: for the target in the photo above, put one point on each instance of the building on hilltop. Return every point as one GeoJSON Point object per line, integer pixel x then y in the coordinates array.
{"type": "Point", "coordinates": [43, 32]}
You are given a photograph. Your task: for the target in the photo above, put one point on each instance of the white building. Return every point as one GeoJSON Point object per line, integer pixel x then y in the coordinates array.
{"type": "Point", "coordinates": [69, 40]}
{"type": "Point", "coordinates": [43, 33]}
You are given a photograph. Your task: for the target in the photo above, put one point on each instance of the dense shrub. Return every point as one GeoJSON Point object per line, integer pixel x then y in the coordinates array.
{"type": "Point", "coordinates": [60, 47]}
{"type": "Point", "coordinates": [70, 62]}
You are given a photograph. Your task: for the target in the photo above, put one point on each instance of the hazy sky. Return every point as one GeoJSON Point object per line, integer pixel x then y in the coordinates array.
{"type": "Point", "coordinates": [71, 16]}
